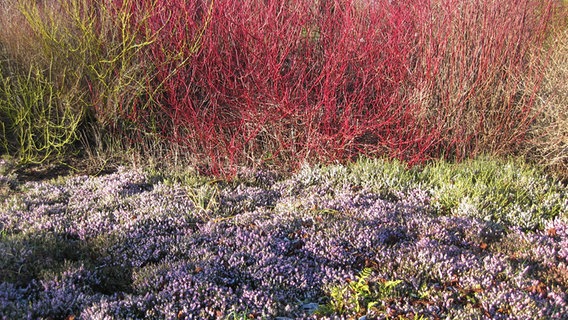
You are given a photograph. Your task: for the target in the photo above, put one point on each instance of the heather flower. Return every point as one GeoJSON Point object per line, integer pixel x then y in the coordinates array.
{"type": "Point", "coordinates": [144, 249]}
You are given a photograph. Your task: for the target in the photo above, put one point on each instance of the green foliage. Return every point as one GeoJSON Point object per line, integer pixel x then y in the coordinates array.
{"type": "Point", "coordinates": [509, 192]}
{"type": "Point", "coordinates": [359, 296]}
{"type": "Point", "coordinates": [204, 198]}
{"type": "Point", "coordinates": [502, 191]}
{"type": "Point", "coordinates": [244, 315]}
{"type": "Point", "coordinates": [381, 175]}
{"type": "Point", "coordinates": [202, 191]}
{"type": "Point", "coordinates": [377, 175]}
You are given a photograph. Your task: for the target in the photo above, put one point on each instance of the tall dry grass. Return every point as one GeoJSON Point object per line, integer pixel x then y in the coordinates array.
{"type": "Point", "coordinates": [549, 143]}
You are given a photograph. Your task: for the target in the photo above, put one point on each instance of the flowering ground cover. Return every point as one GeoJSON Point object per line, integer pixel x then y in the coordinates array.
{"type": "Point", "coordinates": [478, 240]}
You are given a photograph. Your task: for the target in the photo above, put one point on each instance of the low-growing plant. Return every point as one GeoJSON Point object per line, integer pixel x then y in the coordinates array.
{"type": "Point", "coordinates": [376, 174]}
{"type": "Point", "coordinates": [501, 191]}
{"type": "Point", "coordinates": [122, 245]}
{"type": "Point", "coordinates": [204, 199]}
{"type": "Point", "coordinates": [358, 296]}
{"type": "Point", "coordinates": [243, 315]}
{"type": "Point", "coordinates": [7, 165]}
{"type": "Point", "coordinates": [28, 257]}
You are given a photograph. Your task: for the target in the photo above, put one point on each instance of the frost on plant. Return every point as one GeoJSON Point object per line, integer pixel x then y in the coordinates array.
{"type": "Point", "coordinates": [129, 247]}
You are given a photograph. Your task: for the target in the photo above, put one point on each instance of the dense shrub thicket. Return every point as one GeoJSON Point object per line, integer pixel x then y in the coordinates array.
{"type": "Point", "coordinates": [284, 82]}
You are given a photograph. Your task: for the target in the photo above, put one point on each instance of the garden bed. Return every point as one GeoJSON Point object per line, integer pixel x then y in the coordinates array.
{"type": "Point", "coordinates": [370, 239]}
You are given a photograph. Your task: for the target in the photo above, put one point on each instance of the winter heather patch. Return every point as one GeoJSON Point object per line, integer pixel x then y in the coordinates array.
{"type": "Point", "coordinates": [320, 244]}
